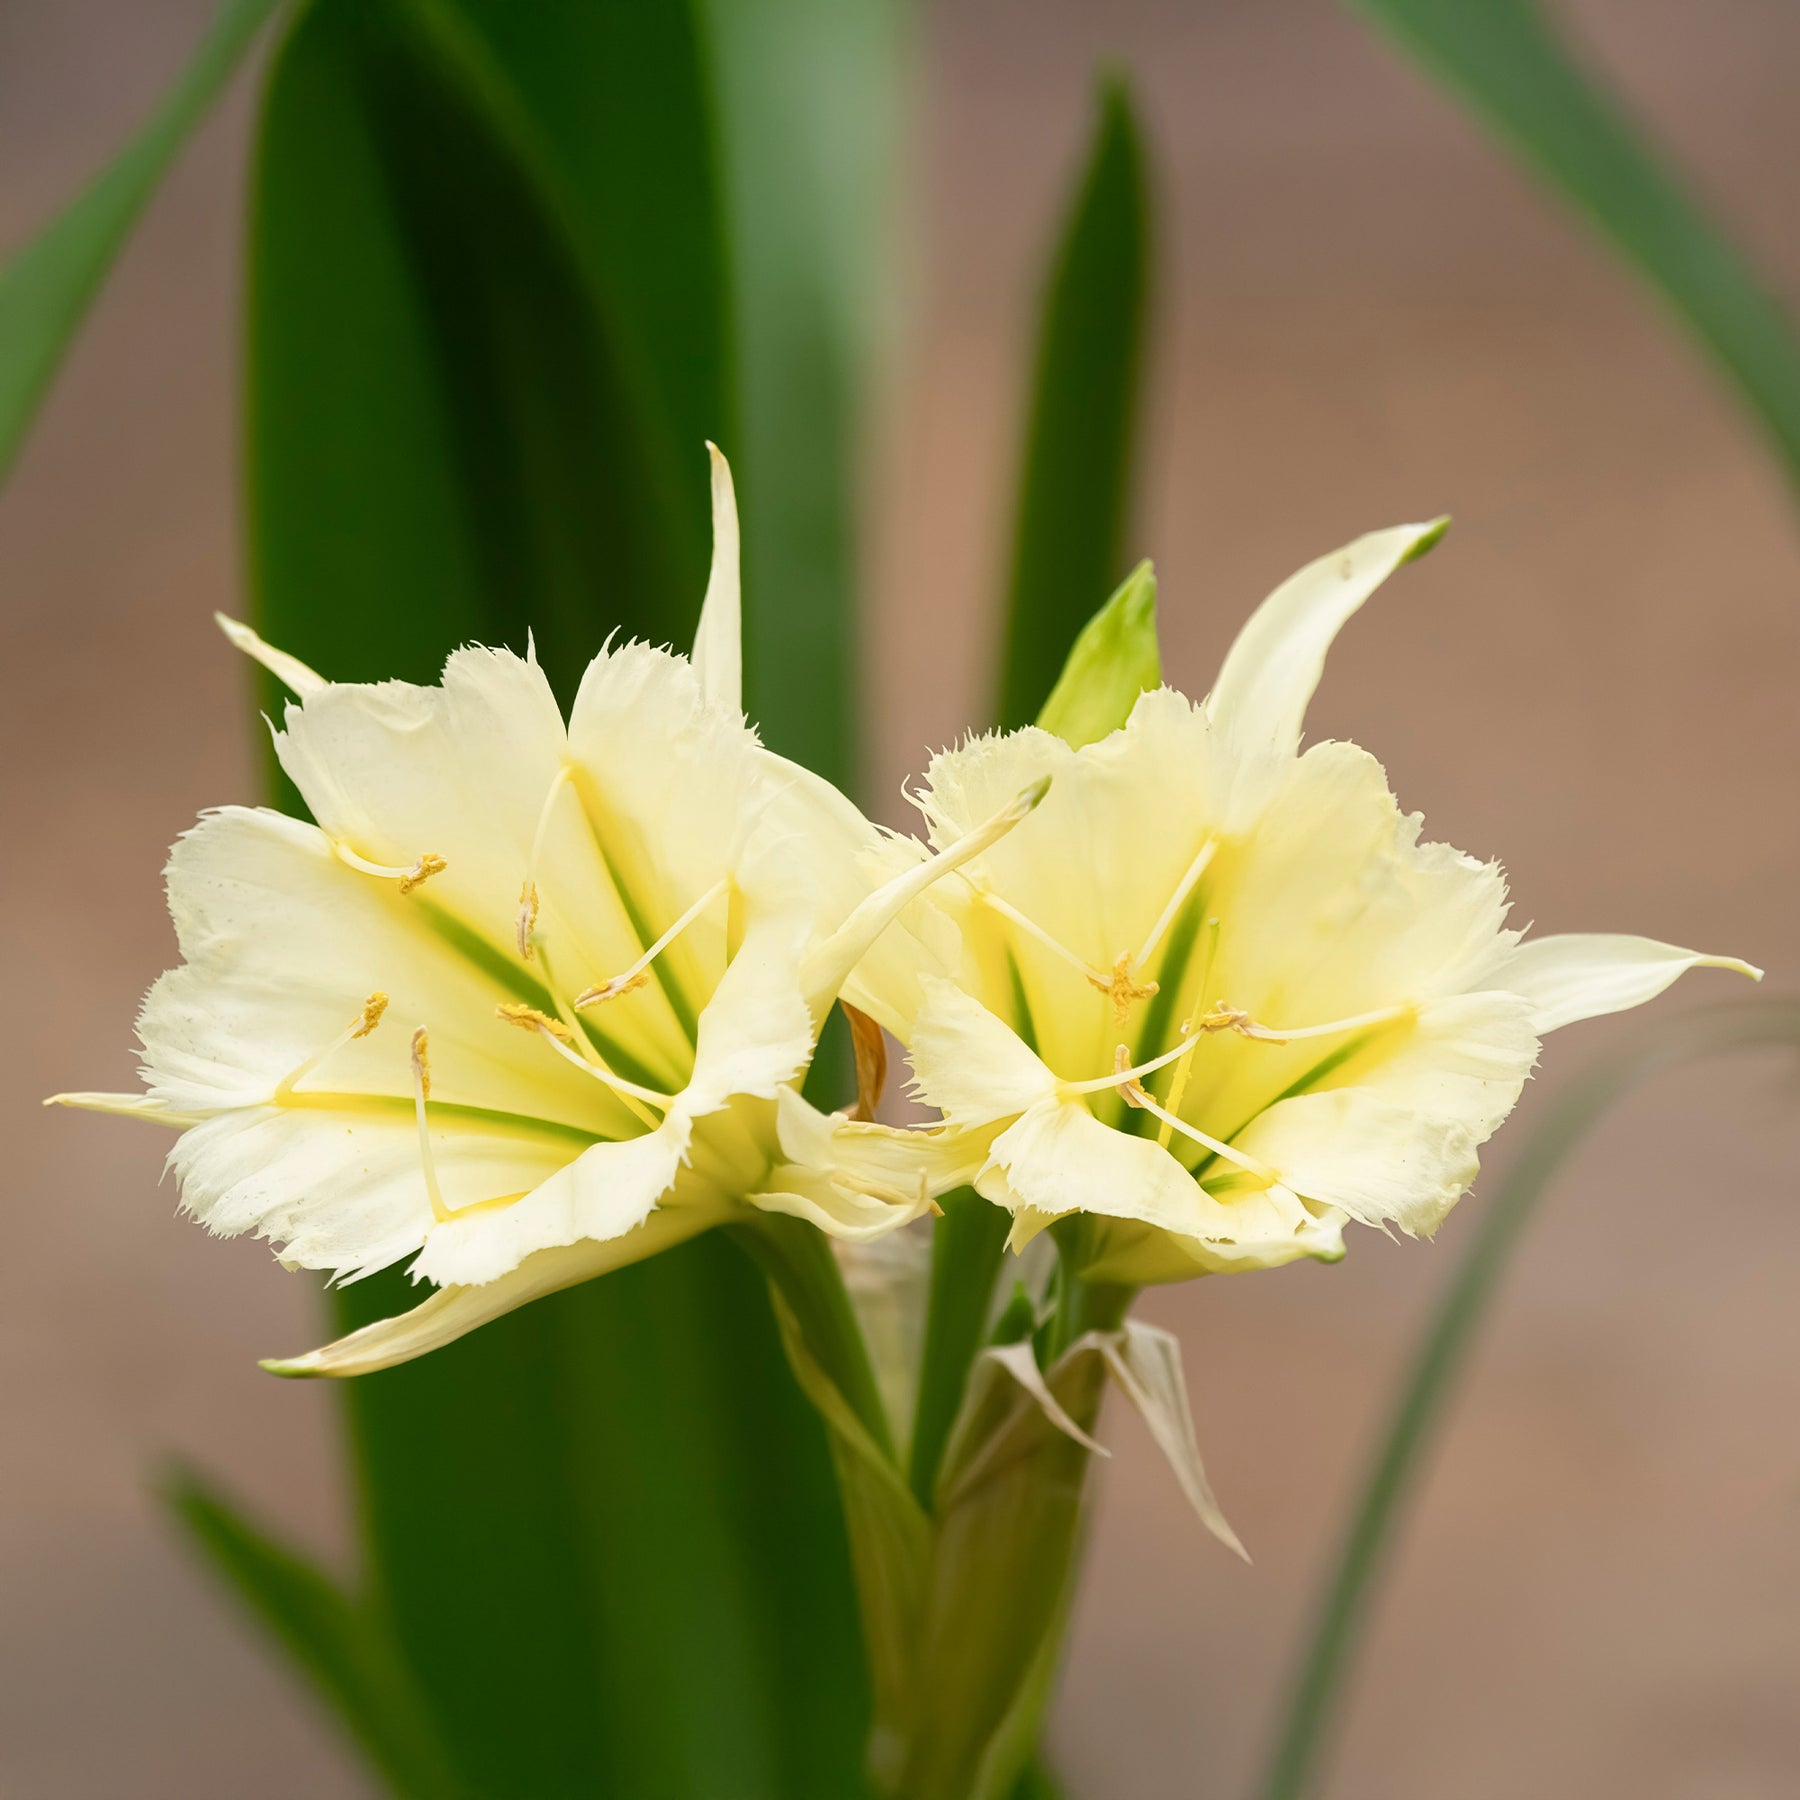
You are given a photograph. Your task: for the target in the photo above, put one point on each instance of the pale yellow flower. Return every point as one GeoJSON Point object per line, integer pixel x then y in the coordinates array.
{"type": "Point", "coordinates": [529, 1000]}
{"type": "Point", "coordinates": [1216, 995]}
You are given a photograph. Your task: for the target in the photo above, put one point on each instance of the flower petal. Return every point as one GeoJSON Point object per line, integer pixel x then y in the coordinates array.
{"type": "Point", "coordinates": [454, 1312]}
{"type": "Point", "coordinates": [718, 643]}
{"type": "Point", "coordinates": [288, 670]}
{"type": "Point", "coordinates": [875, 1158]}
{"type": "Point", "coordinates": [1401, 1144]}
{"type": "Point", "coordinates": [1146, 1364]}
{"type": "Point", "coordinates": [970, 1065]}
{"type": "Point", "coordinates": [283, 948]}
{"type": "Point", "coordinates": [1058, 1158]}
{"type": "Point", "coordinates": [342, 1188]}
{"type": "Point", "coordinates": [841, 1212]}
{"type": "Point", "coordinates": [606, 1192]}
{"type": "Point", "coordinates": [1581, 976]}
{"type": "Point", "coordinates": [1260, 698]}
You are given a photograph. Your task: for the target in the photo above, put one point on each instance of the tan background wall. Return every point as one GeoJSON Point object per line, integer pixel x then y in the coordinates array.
{"type": "Point", "coordinates": [1366, 316]}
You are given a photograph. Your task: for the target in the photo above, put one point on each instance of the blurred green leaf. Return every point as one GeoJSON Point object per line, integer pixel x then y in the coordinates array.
{"type": "Point", "coordinates": [486, 312]}
{"type": "Point", "coordinates": [807, 96]}
{"type": "Point", "coordinates": [1037, 1783]}
{"type": "Point", "coordinates": [345, 1651]}
{"type": "Point", "coordinates": [47, 288]}
{"type": "Point", "coordinates": [1505, 59]}
{"type": "Point", "coordinates": [1314, 1698]}
{"type": "Point", "coordinates": [1115, 659]}
{"type": "Point", "coordinates": [1075, 490]}
{"type": "Point", "coordinates": [453, 432]}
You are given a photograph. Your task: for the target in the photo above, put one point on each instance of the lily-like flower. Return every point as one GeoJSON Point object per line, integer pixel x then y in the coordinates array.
{"type": "Point", "coordinates": [529, 1000]}
{"type": "Point", "coordinates": [1217, 997]}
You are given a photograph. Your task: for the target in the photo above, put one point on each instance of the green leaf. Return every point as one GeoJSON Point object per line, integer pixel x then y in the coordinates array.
{"type": "Point", "coordinates": [1314, 1698]}
{"type": "Point", "coordinates": [345, 1650]}
{"type": "Point", "coordinates": [49, 285]}
{"type": "Point", "coordinates": [808, 117]}
{"type": "Point", "coordinates": [890, 1536]}
{"type": "Point", "coordinates": [1037, 1783]}
{"type": "Point", "coordinates": [1075, 491]}
{"type": "Point", "coordinates": [453, 432]}
{"type": "Point", "coordinates": [1115, 659]}
{"type": "Point", "coordinates": [605, 1527]}
{"type": "Point", "coordinates": [1508, 63]}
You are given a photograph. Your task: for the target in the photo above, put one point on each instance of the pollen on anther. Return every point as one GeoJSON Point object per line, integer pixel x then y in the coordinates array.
{"type": "Point", "coordinates": [421, 1061]}
{"type": "Point", "coordinates": [528, 1018]}
{"type": "Point", "coordinates": [1123, 988]}
{"type": "Point", "coordinates": [373, 1008]}
{"type": "Point", "coordinates": [611, 990]}
{"type": "Point", "coordinates": [528, 915]}
{"type": "Point", "coordinates": [428, 865]}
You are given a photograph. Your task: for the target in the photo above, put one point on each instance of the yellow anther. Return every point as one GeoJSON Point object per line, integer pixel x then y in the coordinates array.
{"type": "Point", "coordinates": [530, 1019]}
{"type": "Point", "coordinates": [1231, 1018]}
{"type": "Point", "coordinates": [612, 990]}
{"type": "Point", "coordinates": [428, 865]}
{"type": "Point", "coordinates": [528, 913]}
{"type": "Point", "coordinates": [1220, 1017]}
{"type": "Point", "coordinates": [421, 1062]}
{"type": "Point", "coordinates": [359, 1027]}
{"type": "Point", "coordinates": [1123, 987]}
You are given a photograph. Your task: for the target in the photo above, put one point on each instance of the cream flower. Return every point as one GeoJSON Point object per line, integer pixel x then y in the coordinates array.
{"type": "Point", "coordinates": [528, 1001]}
{"type": "Point", "coordinates": [1217, 996]}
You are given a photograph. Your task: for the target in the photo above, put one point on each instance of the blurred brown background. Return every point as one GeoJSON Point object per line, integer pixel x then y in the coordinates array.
{"type": "Point", "coordinates": [1366, 315]}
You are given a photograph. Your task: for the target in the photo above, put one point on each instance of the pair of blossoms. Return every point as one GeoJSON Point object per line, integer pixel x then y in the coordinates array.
{"type": "Point", "coordinates": [532, 1001]}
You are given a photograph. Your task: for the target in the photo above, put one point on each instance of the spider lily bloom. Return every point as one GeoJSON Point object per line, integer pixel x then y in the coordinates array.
{"type": "Point", "coordinates": [1217, 997]}
{"type": "Point", "coordinates": [523, 1002]}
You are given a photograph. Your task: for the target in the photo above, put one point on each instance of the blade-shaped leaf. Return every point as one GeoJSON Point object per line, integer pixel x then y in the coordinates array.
{"type": "Point", "coordinates": [605, 1527]}
{"type": "Point", "coordinates": [1505, 59]}
{"type": "Point", "coordinates": [1075, 491]}
{"type": "Point", "coordinates": [345, 1650]}
{"type": "Point", "coordinates": [47, 288]}
{"type": "Point", "coordinates": [1315, 1696]}
{"type": "Point", "coordinates": [1115, 659]}
{"type": "Point", "coordinates": [808, 107]}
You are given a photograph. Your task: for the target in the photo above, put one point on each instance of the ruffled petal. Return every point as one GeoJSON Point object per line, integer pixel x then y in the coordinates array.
{"type": "Point", "coordinates": [1581, 976]}
{"type": "Point", "coordinates": [671, 784]}
{"type": "Point", "coordinates": [284, 947]}
{"type": "Point", "coordinates": [342, 1188]}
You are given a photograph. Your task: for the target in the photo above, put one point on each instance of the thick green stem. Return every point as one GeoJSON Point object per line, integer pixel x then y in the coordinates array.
{"type": "Point", "coordinates": [1005, 1548]}
{"type": "Point", "coordinates": [966, 1250]}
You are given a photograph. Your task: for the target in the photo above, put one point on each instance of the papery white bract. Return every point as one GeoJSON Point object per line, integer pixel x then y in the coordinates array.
{"type": "Point", "coordinates": [522, 1003]}
{"type": "Point", "coordinates": [1217, 997]}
